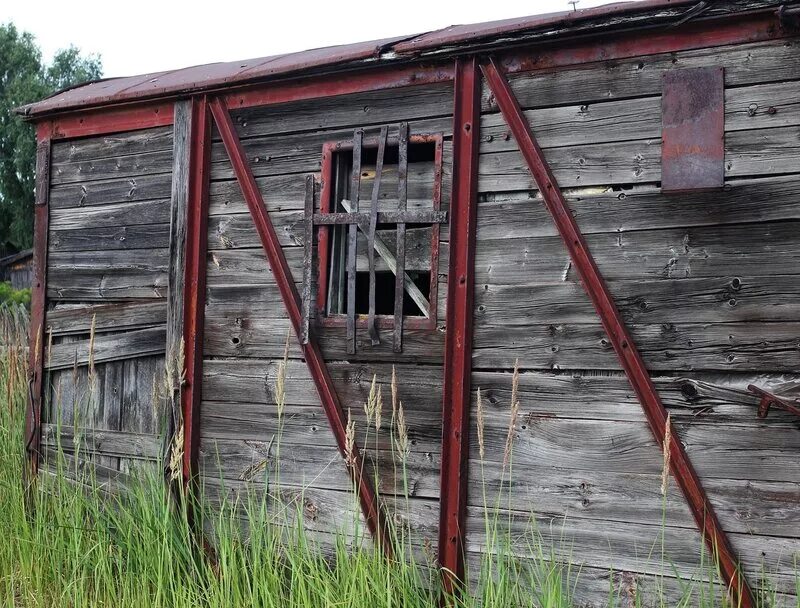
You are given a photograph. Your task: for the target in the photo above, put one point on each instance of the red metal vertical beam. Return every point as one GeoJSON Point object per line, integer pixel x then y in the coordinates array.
{"type": "Point", "coordinates": [626, 350]}
{"type": "Point", "coordinates": [195, 283]}
{"type": "Point", "coordinates": [291, 299]}
{"type": "Point", "coordinates": [33, 416]}
{"type": "Point", "coordinates": [458, 340]}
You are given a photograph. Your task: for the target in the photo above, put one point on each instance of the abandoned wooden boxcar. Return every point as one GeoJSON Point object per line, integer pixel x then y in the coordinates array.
{"type": "Point", "coordinates": [608, 199]}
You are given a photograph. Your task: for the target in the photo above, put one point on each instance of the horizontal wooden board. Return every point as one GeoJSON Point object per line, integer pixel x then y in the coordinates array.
{"type": "Point", "coordinates": [605, 209]}
{"type": "Point", "coordinates": [616, 446]}
{"type": "Point", "coordinates": [78, 319]}
{"type": "Point", "coordinates": [117, 214]}
{"type": "Point", "coordinates": [113, 274]}
{"type": "Point", "coordinates": [108, 347]}
{"type": "Point", "coordinates": [287, 192]}
{"type": "Point", "coordinates": [744, 506]}
{"type": "Point", "coordinates": [115, 443]}
{"type": "Point", "coordinates": [89, 193]}
{"type": "Point", "coordinates": [698, 397]}
{"type": "Point", "coordinates": [143, 236]}
{"type": "Point", "coordinates": [355, 110]}
{"type": "Point", "coordinates": [250, 266]}
{"type": "Point", "coordinates": [635, 547]}
{"type": "Point", "coordinates": [99, 285]}
{"type": "Point", "coordinates": [745, 64]}
{"type": "Point", "coordinates": [251, 381]}
{"type": "Point", "coordinates": [667, 346]}
{"type": "Point", "coordinates": [308, 425]}
{"type": "Point", "coordinates": [135, 165]}
{"type": "Point", "coordinates": [250, 460]}
{"type": "Point", "coordinates": [640, 118]}
{"type": "Point", "coordinates": [112, 145]}
{"type": "Point", "coordinates": [763, 249]}
{"type": "Point", "coordinates": [302, 152]}
{"type": "Point", "coordinates": [264, 338]}
{"type": "Point", "coordinates": [238, 232]}
{"type": "Point", "coordinates": [324, 510]}
{"type": "Point", "coordinates": [747, 153]}
{"type": "Point", "coordinates": [706, 299]}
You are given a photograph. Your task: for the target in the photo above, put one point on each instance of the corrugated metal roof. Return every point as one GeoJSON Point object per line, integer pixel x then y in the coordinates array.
{"type": "Point", "coordinates": [218, 75]}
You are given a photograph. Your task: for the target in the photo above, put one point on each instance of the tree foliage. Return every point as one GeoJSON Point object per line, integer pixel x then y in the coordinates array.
{"type": "Point", "coordinates": [25, 78]}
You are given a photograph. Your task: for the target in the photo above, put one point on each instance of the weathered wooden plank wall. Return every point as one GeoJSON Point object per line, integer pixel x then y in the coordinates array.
{"type": "Point", "coordinates": [246, 326]}
{"type": "Point", "coordinates": [707, 283]}
{"type": "Point", "coordinates": [108, 265]}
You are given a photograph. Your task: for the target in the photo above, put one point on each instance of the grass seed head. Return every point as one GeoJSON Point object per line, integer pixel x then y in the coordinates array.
{"type": "Point", "coordinates": [666, 452]}
{"type": "Point", "coordinates": [512, 423]}
{"type": "Point", "coordinates": [481, 445]}
{"type": "Point", "coordinates": [350, 440]}
{"type": "Point", "coordinates": [402, 433]}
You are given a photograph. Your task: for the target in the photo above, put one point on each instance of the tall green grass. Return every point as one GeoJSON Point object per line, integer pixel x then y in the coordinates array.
{"type": "Point", "coordinates": [85, 545]}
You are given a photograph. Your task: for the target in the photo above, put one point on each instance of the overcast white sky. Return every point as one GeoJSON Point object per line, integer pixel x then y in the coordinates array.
{"type": "Point", "coordinates": [151, 35]}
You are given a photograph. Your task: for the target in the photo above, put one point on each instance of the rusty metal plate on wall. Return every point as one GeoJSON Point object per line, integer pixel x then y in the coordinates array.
{"type": "Point", "coordinates": [693, 129]}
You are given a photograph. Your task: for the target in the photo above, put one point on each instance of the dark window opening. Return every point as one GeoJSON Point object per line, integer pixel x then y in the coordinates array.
{"type": "Point", "coordinates": [421, 163]}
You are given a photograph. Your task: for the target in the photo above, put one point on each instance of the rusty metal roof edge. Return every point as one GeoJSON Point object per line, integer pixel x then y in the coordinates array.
{"type": "Point", "coordinates": [438, 43]}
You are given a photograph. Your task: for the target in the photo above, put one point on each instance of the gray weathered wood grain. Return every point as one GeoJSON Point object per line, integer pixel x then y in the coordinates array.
{"type": "Point", "coordinates": [342, 111]}
{"type": "Point", "coordinates": [604, 209]}
{"type": "Point", "coordinates": [762, 249]}
{"type": "Point", "coordinates": [667, 346]}
{"type": "Point", "coordinates": [112, 145]}
{"type": "Point", "coordinates": [745, 64]}
{"type": "Point", "coordinates": [640, 118]}
{"type": "Point", "coordinates": [90, 193]}
{"type": "Point", "coordinates": [747, 153]}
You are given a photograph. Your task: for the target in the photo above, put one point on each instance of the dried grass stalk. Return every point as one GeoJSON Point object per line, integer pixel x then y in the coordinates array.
{"type": "Point", "coordinates": [512, 423]}
{"type": "Point", "coordinates": [666, 452]}
{"type": "Point", "coordinates": [350, 440]}
{"type": "Point", "coordinates": [402, 433]}
{"type": "Point", "coordinates": [481, 424]}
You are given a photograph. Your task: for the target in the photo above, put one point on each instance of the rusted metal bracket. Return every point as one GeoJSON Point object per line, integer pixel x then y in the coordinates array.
{"type": "Point", "coordinates": [693, 129]}
{"type": "Point", "coordinates": [769, 400]}
{"type": "Point", "coordinates": [373, 513]}
{"type": "Point", "coordinates": [624, 346]}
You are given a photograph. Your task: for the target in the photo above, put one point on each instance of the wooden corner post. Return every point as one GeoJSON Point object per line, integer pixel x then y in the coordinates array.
{"type": "Point", "coordinates": [195, 235]}
{"type": "Point", "coordinates": [458, 340]}
{"type": "Point", "coordinates": [33, 415]}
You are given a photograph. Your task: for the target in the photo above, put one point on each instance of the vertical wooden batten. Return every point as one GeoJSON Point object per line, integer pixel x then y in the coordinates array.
{"type": "Point", "coordinates": [182, 137]}
{"type": "Point", "coordinates": [33, 418]}
{"type": "Point", "coordinates": [194, 275]}
{"type": "Point", "coordinates": [458, 341]}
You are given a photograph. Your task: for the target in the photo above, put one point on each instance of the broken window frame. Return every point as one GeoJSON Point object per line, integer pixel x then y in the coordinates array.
{"type": "Point", "coordinates": [324, 233]}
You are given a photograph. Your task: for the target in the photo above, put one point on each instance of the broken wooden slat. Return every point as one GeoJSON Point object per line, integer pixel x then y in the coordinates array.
{"type": "Point", "coordinates": [373, 224]}
{"type": "Point", "coordinates": [308, 259]}
{"type": "Point", "coordinates": [117, 316]}
{"type": "Point", "coordinates": [400, 244]}
{"type": "Point", "coordinates": [108, 347]}
{"type": "Point", "coordinates": [352, 242]}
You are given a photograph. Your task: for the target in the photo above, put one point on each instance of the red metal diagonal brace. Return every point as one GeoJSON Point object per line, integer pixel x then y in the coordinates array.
{"type": "Point", "coordinates": [291, 299]}
{"type": "Point", "coordinates": [624, 346]}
